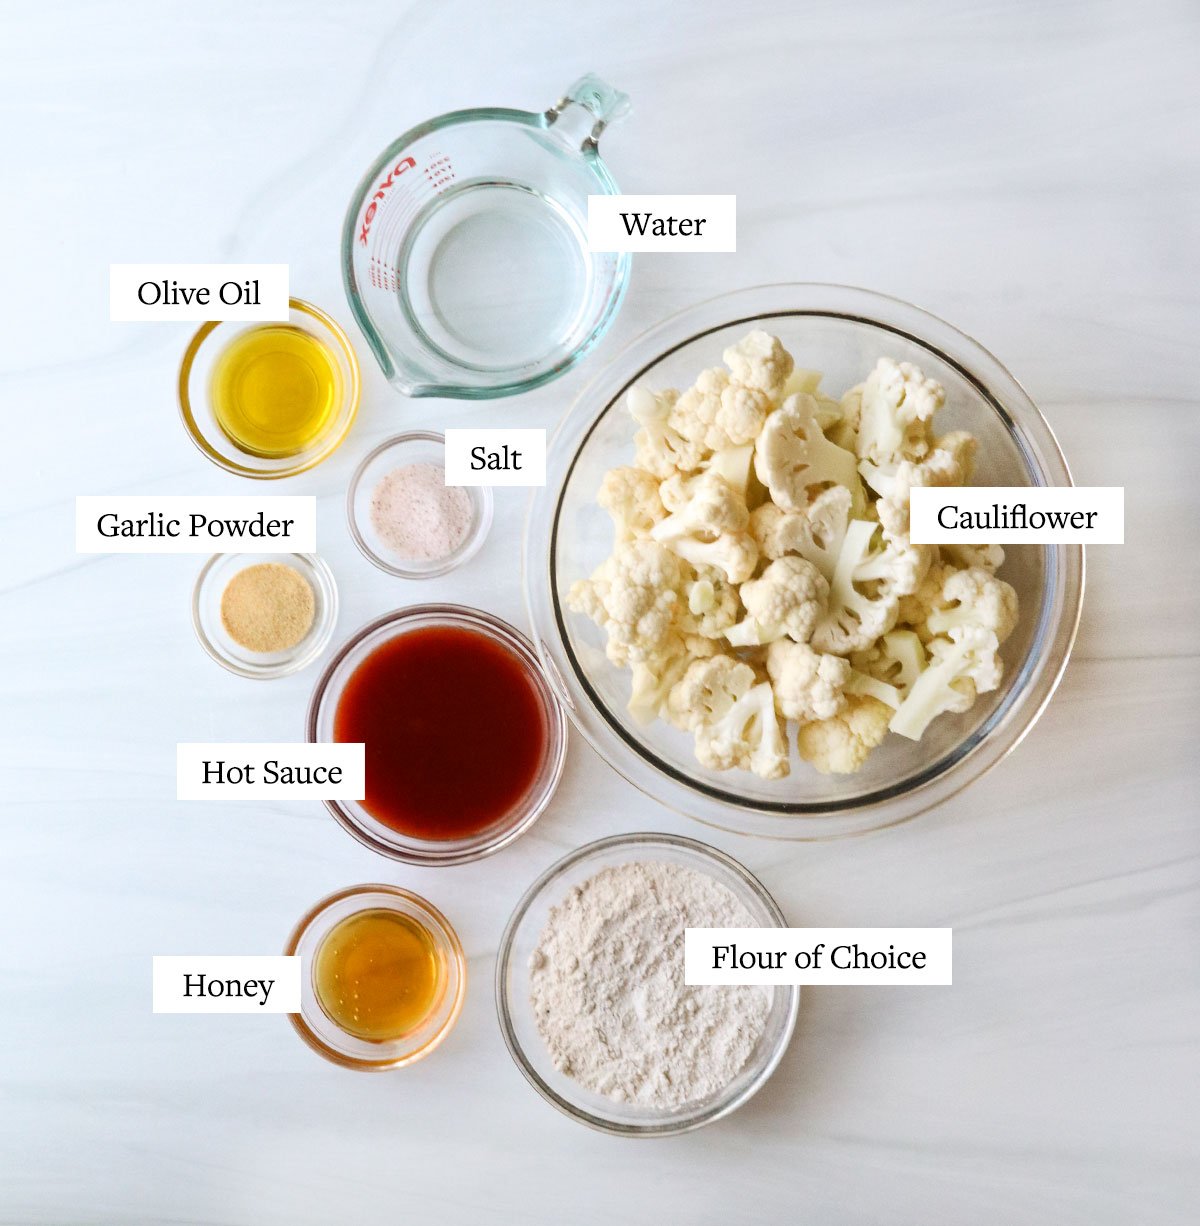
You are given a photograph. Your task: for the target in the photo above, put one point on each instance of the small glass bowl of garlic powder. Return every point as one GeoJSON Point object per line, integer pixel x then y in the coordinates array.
{"type": "Point", "coordinates": [403, 516]}
{"type": "Point", "coordinates": [264, 615]}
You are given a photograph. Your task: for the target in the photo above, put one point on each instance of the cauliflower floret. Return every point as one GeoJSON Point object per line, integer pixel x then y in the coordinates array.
{"type": "Point", "coordinates": [759, 361]}
{"type": "Point", "coordinates": [841, 744]}
{"type": "Point", "coordinates": [712, 602]}
{"type": "Point", "coordinates": [888, 669]}
{"type": "Point", "coordinates": [736, 465]}
{"type": "Point", "coordinates": [630, 496]}
{"type": "Point", "coordinates": [898, 568]}
{"type": "Point", "coordinates": [792, 454]}
{"type": "Point", "coordinates": [975, 597]}
{"type": "Point", "coordinates": [707, 690]}
{"type": "Point", "coordinates": [988, 557]}
{"type": "Point", "coordinates": [634, 598]}
{"type": "Point", "coordinates": [742, 413]}
{"type": "Point", "coordinates": [808, 684]}
{"type": "Point", "coordinates": [855, 620]}
{"type": "Point", "coordinates": [961, 666]}
{"type": "Point", "coordinates": [844, 431]}
{"type": "Point", "coordinates": [707, 525]}
{"type": "Point", "coordinates": [898, 658]}
{"type": "Point", "coordinates": [949, 463]}
{"type": "Point", "coordinates": [915, 608]}
{"type": "Point", "coordinates": [651, 684]}
{"type": "Point", "coordinates": [694, 414]}
{"type": "Point", "coordinates": [898, 404]}
{"type": "Point", "coordinates": [659, 448]}
{"type": "Point", "coordinates": [747, 736]}
{"type": "Point", "coordinates": [787, 599]}
{"type": "Point", "coordinates": [815, 533]}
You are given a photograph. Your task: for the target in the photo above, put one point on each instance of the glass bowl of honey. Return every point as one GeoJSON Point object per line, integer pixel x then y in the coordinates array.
{"type": "Point", "coordinates": [465, 741]}
{"type": "Point", "coordinates": [269, 400]}
{"type": "Point", "coordinates": [383, 977]}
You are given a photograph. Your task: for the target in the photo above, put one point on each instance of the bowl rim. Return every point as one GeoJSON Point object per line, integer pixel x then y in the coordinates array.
{"type": "Point", "coordinates": [475, 538]}
{"type": "Point", "coordinates": [304, 460]}
{"type": "Point", "coordinates": [443, 931]}
{"type": "Point", "coordinates": [481, 622]}
{"type": "Point", "coordinates": [648, 840]}
{"type": "Point", "coordinates": [325, 595]}
{"type": "Point", "coordinates": [934, 784]}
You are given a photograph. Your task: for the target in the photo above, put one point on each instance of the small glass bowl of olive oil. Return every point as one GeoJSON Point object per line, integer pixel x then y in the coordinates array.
{"type": "Point", "coordinates": [270, 399]}
{"type": "Point", "coordinates": [383, 977]}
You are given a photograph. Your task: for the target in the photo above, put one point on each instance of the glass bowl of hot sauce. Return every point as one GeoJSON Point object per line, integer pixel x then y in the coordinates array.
{"type": "Point", "coordinates": [465, 739]}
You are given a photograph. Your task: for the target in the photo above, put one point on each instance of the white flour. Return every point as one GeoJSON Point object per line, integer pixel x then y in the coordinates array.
{"type": "Point", "coordinates": [607, 987]}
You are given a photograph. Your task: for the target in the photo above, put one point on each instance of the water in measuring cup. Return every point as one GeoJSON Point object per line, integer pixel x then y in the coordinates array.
{"type": "Point", "coordinates": [497, 276]}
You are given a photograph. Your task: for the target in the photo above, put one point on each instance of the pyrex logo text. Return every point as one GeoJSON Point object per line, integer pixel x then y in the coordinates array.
{"type": "Point", "coordinates": [401, 166]}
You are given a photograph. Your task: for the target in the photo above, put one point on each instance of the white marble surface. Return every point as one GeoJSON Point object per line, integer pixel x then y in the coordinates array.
{"type": "Point", "coordinates": [1029, 171]}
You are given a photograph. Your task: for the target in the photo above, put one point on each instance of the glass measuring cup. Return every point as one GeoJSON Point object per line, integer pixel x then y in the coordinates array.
{"type": "Point", "coordinates": [464, 250]}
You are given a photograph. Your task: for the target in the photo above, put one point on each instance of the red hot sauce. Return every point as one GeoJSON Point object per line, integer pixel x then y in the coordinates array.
{"type": "Point", "coordinates": [454, 727]}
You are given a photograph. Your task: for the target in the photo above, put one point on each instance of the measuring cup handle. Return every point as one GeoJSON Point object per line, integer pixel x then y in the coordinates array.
{"type": "Point", "coordinates": [585, 110]}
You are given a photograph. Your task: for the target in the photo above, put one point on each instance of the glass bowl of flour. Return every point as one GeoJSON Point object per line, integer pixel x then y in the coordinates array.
{"type": "Point", "coordinates": [591, 997]}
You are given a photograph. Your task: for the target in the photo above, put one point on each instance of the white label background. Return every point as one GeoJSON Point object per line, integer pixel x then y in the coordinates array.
{"type": "Point", "coordinates": [1107, 501]}
{"type": "Point", "coordinates": [607, 230]}
{"type": "Point", "coordinates": [191, 756]}
{"type": "Point", "coordinates": [300, 508]}
{"type": "Point", "coordinates": [530, 443]}
{"type": "Point", "coordinates": [124, 280]}
{"type": "Point", "coordinates": [936, 943]}
{"type": "Point", "coordinates": [169, 982]}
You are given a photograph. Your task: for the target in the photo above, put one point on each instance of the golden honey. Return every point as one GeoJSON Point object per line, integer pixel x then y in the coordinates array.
{"type": "Point", "coordinates": [275, 390]}
{"type": "Point", "coordinates": [378, 975]}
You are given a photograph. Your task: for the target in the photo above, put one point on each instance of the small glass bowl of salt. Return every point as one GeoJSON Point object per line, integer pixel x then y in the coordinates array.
{"type": "Point", "coordinates": [405, 518]}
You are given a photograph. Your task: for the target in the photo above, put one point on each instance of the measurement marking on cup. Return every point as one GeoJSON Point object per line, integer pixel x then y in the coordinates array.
{"type": "Point", "coordinates": [405, 163]}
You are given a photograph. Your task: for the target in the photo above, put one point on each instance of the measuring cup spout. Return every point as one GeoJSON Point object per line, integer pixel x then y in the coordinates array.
{"type": "Point", "coordinates": [584, 111]}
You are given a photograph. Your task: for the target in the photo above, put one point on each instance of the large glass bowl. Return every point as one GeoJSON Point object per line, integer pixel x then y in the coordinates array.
{"type": "Point", "coordinates": [515, 1009]}
{"type": "Point", "coordinates": [840, 331]}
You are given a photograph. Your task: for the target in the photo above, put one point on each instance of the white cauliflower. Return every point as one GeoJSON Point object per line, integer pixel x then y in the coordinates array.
{"type": "Point", "coordinates": [694, 414]}
{"type": "Point", "coordinates": [914, 609]}
{"type": "Point", "coordinates": [815, 533]}
{"type": "Point", "coordinates": [844, 431]}
{"type": "Point", "coordinates": [630, 496]}
{"type": "Point", "coordinates": [949, 463]}
{"type": "Point", "coordinates": [659, 448]}
{"type": "Point", "coordinates": [651, 684]}
{"type": "Point", "coordinates": [965, 556]}
{"type": "Point", "coordinates": [841, 744]}
{"type": "Point", "coordinates": [707, 690]}
{"type": "Point", "coordinates": [742, 413]}
{"type": "Point", "coordinates": [787, 599]}
{"type": "Point", "coordinates": [888, 669]}
{"type": "Point", "coordinates": [792, 455]}
{"type": "Point", "coordinates": [736, 465]}
{"type": "Point", "coordinates": [712, 602]}
{"type": "Point", "coordinates": [634, 597]}
{"type": "Point", "coordinates": [759, 361]}
{"type": "Point", "coordinates": [898, 658]}
{"type": "Point", "coordinates": [961, 666]}
{"type": "Point", "coordinates": [708, 525]}
{"type": "Point", "coordinates": [808, 684]}
{"type": "Point", "coordinates": [850, 628]}
{"type": "Point", "coordinates": [898, 404]}
{"type": "Point", "coordinates": [975, 597]}
{"type": "Point", "coordinates": [854, 620]}
{"type": "Point", "coordinates": [747, 737]}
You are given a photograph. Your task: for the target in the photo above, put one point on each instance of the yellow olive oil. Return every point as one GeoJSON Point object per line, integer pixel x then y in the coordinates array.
{"type": "Point", "coordinates": [378, 975]}
{"type": "Point", "coordinates": [275, 390]}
